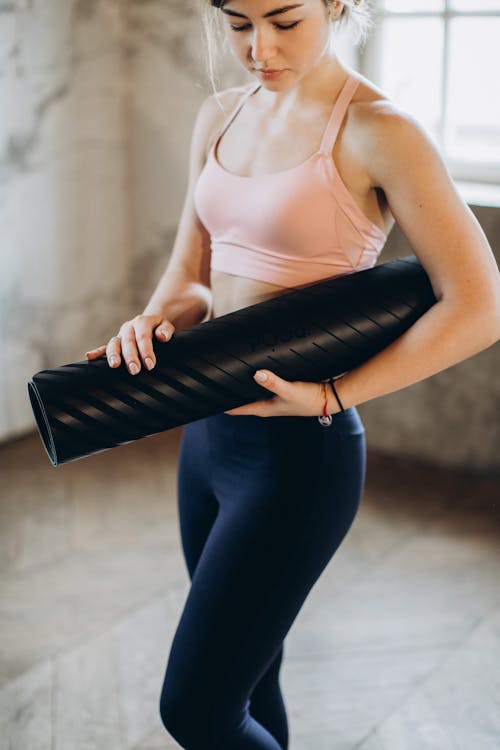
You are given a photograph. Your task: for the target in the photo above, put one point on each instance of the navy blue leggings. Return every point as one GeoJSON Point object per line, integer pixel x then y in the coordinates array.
{"type": "Point", "coordinates": [264, 503]}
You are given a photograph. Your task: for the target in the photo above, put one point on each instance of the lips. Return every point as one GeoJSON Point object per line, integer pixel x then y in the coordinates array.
{"type": "Point", "coordinates": [268, 74]}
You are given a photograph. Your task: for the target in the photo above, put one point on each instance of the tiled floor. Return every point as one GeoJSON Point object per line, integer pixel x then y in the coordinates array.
{"type": "Point", "coordinates": [396, 648]}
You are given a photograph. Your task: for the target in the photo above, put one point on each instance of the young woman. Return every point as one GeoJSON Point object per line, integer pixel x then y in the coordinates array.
{"type": "Point", "coordinates": [297, 177]}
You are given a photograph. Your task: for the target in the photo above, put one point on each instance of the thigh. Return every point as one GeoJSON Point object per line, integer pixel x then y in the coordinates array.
{"type": "Point", "coordinates": [197, 505]}
{"type": "Point", "coordinates": [287, 495]}
{"type": "Point", "coordinates": [289, 490]}
{"type": "Point", "coordinates": [279, 471]}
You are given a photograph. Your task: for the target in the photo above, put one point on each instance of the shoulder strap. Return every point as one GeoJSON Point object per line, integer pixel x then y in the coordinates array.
{"type": "Point", "coordinates": [220, 132]}
{"type": "Point", "coordinates": [339, 110]}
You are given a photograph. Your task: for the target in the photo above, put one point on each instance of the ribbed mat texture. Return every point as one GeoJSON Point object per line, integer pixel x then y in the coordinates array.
{"type": "Point", "coordinates": [322, 330]}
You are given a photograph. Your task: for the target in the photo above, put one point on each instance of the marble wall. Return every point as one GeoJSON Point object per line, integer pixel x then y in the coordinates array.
{"type": "Point", "coordinates": [97, 99]}
{"type": "Point", "coordinates": [97, 104]}
{"type": "Point", "coordinates": [64, 199]}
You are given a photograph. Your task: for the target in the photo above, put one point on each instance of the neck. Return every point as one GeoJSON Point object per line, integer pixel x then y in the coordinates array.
{"type": "Point", "coordinates": [320, 85]}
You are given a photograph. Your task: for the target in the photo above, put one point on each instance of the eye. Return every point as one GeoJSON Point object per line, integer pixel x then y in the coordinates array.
{"type": "Point", "coordinates": [280, 26]}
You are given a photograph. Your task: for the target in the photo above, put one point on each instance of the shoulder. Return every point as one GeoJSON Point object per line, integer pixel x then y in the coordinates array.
{"type": "Point", "coordinates": [224, 100]}
{"type": "Point", "coordinates": [216, 108]}
{"type": "Point", "coordinates": [389, 138]}
{"type": "Point", "coordinates": [371, 108]}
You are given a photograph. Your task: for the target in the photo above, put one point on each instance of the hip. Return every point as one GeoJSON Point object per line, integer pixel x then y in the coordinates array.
{"type": "Point", "coordinates": [284, 461]}
{"type": "Point", "coordinates": [258, 441]}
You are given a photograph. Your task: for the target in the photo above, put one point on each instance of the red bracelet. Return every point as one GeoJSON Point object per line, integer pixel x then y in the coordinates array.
{"type": "Point", "coordinates": [326, 419]}
{"type": "Point", "coordinates": [325, 413]}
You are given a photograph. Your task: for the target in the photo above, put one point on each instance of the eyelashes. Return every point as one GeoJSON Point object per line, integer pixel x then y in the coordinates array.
{"type": "Point", "coordinates": [280, 26]}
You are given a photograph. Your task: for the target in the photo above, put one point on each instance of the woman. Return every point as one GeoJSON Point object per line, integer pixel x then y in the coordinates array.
{"type": "Point", "coordinates": [264, 502]}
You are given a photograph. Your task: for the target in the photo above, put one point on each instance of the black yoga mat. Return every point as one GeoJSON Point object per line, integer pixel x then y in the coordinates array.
{"type": "Point", "coordinates": [309, 334]}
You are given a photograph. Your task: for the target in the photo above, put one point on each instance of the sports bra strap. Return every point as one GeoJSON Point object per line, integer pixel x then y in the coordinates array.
{"type": "Point", "coordinates": [235, 111]}
{"type": "Point", "coordinates": [339, 110]}
{"type": "Point", "coordinates": [334, 122]}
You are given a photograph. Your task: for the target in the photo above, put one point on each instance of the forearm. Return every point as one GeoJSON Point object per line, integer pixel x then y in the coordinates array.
{"type": "Point", "coordinates": [180, 299]}
{"type": "Point", "coordinates": [442, 337]}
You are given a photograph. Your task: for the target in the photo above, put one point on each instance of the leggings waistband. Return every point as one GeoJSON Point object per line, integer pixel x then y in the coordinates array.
{"type": "Point", "coordinates": [347, 422]}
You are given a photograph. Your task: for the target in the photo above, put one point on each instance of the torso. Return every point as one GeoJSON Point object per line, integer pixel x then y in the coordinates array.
{"type": "Point", "coordinates": [257, 146]}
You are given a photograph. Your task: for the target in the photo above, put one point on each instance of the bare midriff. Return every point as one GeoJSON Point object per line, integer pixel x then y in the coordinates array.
{"type": "Point", "coordinates": [231, 293]}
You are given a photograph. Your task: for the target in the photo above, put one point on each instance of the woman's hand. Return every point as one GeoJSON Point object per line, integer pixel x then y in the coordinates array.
{"type": "Point", "coordinates": [292, 398]}
{"type": "Point", "coordinates": [135, 342]}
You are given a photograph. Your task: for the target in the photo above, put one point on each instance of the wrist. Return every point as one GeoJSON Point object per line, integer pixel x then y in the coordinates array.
{"type": "Point", "coordinates": [159, 311]}
{"type": "Point", "coordinates": [333, 405]}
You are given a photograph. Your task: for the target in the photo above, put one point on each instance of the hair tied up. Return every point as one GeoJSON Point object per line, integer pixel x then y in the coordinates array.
{"type": "Point", "coordinates": [356, 16]}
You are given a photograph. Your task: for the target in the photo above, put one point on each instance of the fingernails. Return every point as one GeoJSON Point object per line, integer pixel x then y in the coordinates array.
{"type": "Point", "coordinates": [260, 375]}
{"type": "Point", "coordinates": [113, 361]}
{"type": "Point", "coordinates": [165, 335]}
{"type": "Point", "coordinates": [149, 363]}
{"type": "Point", "coordinates": [134, 369]}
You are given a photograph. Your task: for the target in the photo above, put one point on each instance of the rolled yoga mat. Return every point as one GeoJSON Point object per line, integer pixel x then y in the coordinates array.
{"type": "Point", "coordinates": [319, 331]}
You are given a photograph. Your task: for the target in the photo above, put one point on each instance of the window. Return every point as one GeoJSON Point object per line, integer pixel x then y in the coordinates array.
{"type": "Point", "coordinates": [439, 61]}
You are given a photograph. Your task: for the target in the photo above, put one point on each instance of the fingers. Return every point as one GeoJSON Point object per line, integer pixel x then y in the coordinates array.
{"type": "Point", "coordinates": [134, 343]}
{"type": "Point", "coordinates": [263, 408]}
{"type": "Point", "coordinates": [113, 350]}
{"type": "Point", "coordinates": [143, 334]}
{"type": "Point", "coordinates": [130, 338]}
{"type": "Point", "coordinates": [290, 398]}
{"type": "Point", "coordinates": [94, 353]}
{"type": "Point", "coordinates": [272, 382]}
{"type": "Point", "coordinates": [165, 330]}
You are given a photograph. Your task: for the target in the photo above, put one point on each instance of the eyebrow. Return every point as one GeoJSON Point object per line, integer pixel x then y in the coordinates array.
{"type": "Point", "coordinates": [266, 15]}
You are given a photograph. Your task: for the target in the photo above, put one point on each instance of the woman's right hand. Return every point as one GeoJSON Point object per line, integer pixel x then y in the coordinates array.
{"type": "Point", "coordinates": [135, 342]}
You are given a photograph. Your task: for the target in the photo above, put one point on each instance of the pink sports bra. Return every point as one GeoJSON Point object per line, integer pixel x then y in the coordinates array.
{"type": "Point", "coordinates": [291, 227]}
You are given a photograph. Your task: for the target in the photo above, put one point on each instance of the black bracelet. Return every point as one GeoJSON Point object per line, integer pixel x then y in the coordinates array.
{"type": "Point", "coordinates": [330, 380]}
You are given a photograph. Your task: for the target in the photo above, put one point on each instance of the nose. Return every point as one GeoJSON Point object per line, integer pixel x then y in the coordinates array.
{"type": "Point", "coordinates": [263, 45]}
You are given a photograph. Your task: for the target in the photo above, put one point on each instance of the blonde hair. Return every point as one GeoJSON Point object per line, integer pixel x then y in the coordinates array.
{"type": "Point", "coordinates": [356, 16]}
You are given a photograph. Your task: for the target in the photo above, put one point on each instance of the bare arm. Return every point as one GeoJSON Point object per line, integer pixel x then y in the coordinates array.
{"type": "Point", "coordinates": [453, 249]}
{"type": "Point", "coordinates": [182, 297]}
{"type": "Point", "coordinates": [183, 294]}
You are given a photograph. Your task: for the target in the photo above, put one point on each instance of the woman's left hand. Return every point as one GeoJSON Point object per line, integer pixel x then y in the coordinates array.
{"type": "Point", "coordinates": [292, 398]}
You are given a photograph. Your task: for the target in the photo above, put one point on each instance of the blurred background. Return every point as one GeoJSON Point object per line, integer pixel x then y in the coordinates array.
{"type": "Point", "coordinates": [97, 103]}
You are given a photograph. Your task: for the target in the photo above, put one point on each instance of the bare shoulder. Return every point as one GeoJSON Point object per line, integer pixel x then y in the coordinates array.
{"type": "Point", "coordinates": [387, 136]}
{"type": "Point", "coordinates": [371, 106]}
{"type": "Point", "coordinates": [228, 98]}
{"type": "Point", "coordinates": [223, 101]}
{"type": "Point", "coordinates": [216, 108]}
